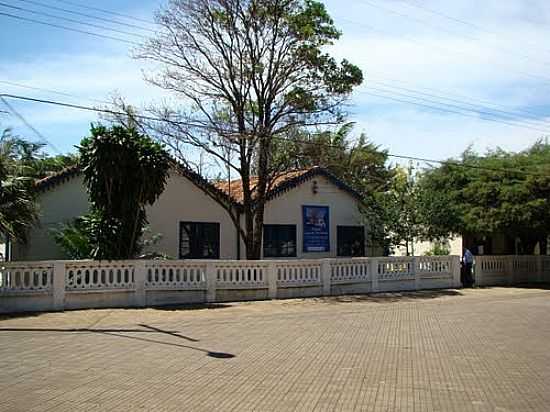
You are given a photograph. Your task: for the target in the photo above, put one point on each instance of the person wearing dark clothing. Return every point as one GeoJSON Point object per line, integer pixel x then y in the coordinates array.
{"type": "Point", "coordinates": [467, 265]}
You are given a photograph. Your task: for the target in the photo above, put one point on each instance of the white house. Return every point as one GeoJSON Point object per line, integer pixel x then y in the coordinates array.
{"type": "Point", "coordinates": [310, 214]}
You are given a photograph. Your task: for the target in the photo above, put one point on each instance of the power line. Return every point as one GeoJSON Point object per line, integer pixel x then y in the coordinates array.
{"type": "Point", "coordinates": [57, 92]}
{"type": "Point", "coordinates": [507, 108]}
{"type": "Point", "coordinates": [30, 126]}
{"type": "Point", "coordinates": [396, 99]}
{"type": "Point", "coordinates": [439, 28]}
{"type": "Point", "coordinates": [411, 39]}
{"type": "Point", "coordinates": [58, 26]}
{"type": "Point", "coordinates": [413, 3]}
{"type": "Point", "coordinates": [53, 16]}
{"type": "Point", "coordinates": [114, 13]}
{"type": "Point", "coordinates": [90, 16]}
{"type": "Point", "coordinates": [461, 110]}
{"type": "Point", "coordinates": [470, 166]}
{"type": "Point", "coordinates": [152, 118]}
{"type": "Point", "coordinates": [498, 113]}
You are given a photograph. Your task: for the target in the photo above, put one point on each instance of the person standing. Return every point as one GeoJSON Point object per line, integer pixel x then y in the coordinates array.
{"type": "Point", "coordinates": [467, 264]}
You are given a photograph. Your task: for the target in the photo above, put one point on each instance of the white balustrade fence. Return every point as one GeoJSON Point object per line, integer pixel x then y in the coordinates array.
{"type": "Point", "coordinates": [298, 273]}
{"type": "Point", "coordinates": [511, 270]}
{"type": "Point", "coordinates": [56, 285]}
{"type": "Point", "coordinates": [26, 277]}
{"type": "Point", "coordinates": [179, 275]}
{"type": "Point", "coordinates": [97, 275]}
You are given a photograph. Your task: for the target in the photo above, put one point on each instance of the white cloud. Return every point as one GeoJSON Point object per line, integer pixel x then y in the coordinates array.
{"type": "Point", "coordinates": [404, 52]}
{"type": "Point", "coordinates": [415, 55]}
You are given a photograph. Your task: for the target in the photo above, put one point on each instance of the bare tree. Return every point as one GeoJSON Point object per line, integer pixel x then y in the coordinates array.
{"type": "Point", "coordinates": [244, 74]}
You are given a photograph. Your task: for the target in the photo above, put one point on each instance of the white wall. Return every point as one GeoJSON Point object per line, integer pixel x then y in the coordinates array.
{"type": "Point", "coordinates": [58, 205]}
{"type": "Point", "coordinates": [180, 201]}
{"type": "Point", "coordinates": [183, 201]}
{"type": "Point", "coordinates": [287, 209]}
{"type": "Point", "coordinates": [422, 247]}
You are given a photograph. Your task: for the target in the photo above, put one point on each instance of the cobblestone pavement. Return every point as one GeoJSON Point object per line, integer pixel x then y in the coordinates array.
{"type": "Point", "coordinates": [469, 350]}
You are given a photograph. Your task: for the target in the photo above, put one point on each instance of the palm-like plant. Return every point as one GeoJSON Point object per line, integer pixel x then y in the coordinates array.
{"type": "Point", "coordinates": [17, 196]}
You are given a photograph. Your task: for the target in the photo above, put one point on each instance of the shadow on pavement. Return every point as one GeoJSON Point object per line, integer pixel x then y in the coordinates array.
{"type": "Point", "coordinates": [118, 332]}
{"type": "Point", "coordinates": [192, 306]}
{"type": "Point", "coordinates": [388, 297]}
{"type": "Point", "coordinates": [177, 307]}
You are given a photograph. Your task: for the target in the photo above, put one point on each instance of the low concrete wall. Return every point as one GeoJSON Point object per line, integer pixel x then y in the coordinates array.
{"type": "Point", "coordinates": [511, 270]}
{"type": "Point", "coordinates": [58, 285]}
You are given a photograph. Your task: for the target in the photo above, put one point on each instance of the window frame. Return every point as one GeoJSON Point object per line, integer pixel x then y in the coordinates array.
{"type": "Point", "coordinates": [339, 240]}
{"type": "Point", "coordinates": [279, 248]}
{"type": "Point", "coordinates": [217, 245]}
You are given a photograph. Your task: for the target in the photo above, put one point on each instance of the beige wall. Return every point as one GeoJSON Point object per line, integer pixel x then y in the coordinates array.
{"type": "Point", "coordinates": [287, 209]}
{"type": "Point", "coordinates": [181, 201]}
{"type": "Point", "coordinates": [421, 248]}
{"type": "Point", "coordinates": [58, 205]}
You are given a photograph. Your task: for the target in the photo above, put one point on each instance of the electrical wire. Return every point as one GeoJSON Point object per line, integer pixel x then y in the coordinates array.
{"type": "Point", "coordinates": [447, 51]}
{"type": "Point", "coordinates": [405, 157]}
{"type": "Point", "coordinates": [489, 104]}
{"type": "Point", "coordinates": [114, 13]}
{"type": "Point", "coordinates": [442, 29]}
{"type": "Point", "coordinates": [30, 126]}
{"type": "Point", "coordinates": [58, 26]}
{"type": "Point", "coordinates": [90, 16]}
{"type": "Point", "coordinates": [474, 107]}
{"type": "Point", "coordinates": [57, 92]}
{"type": "Point", "coordinates": [462, 21]}
{"type": "Point", "coordinates": [441, 109]}
{"type": "Point", "coordinates": [53, 16]}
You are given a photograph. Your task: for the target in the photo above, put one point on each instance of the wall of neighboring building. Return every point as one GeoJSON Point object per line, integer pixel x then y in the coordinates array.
{"type": "Point", "coordinates": [421, 248]}
{"type": "Point", "coordinates": [287, 209]}
{"type": "Point", "coordinates": [58, 205]}
{"type": "Point", "coordinates": [180, 201]}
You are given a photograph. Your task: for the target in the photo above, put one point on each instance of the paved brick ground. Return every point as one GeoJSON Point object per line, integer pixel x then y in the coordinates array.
{"type": "Point", "coordinates": [476, 350]}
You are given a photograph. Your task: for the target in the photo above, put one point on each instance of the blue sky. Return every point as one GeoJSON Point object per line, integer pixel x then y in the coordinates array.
{"type": "Point", "coordinates": [492, 54]}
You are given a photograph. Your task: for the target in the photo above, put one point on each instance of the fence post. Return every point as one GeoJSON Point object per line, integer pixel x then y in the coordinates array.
{"type": "Point", "coordinates": [272, 280]}
{"type": "Point", "coordinates": [416, 272]}
{"type": "Point", "coordinates": [509, 268]}
{"type": "Point", "coordinates": [211, 280]}
{"type": "Point", "coordinates": [140, 276]}
{"type": "Point", "coordinates": [539, 268]}
{"type": "Point", "coordinates": [59, 279]}
{"type": "Point", "coordinates": [455, 264]}
{"type": "Point", "coordinates": [325, 276]}
{"type": "Point", "coordinates": [373, 269]}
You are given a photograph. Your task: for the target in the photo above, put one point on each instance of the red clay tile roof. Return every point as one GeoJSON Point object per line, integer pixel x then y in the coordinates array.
{"type": "Point", "coordinates": [283, 183]}
{"type": "Point", "coordinates": [233, 190]}
{"type": "Point", "coordinates": [57, 178]}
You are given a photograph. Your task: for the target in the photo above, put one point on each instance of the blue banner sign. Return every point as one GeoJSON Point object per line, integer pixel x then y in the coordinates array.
{"type": "Point", "coordinates": [316, 229]}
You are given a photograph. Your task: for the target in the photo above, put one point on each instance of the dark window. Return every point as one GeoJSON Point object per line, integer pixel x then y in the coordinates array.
{"type": "Point", "coordinates": [279, 240]}
{"type": "Point", "coordinates": [351, 240]}
{"type": "Point", "coordinates": [199, 240]}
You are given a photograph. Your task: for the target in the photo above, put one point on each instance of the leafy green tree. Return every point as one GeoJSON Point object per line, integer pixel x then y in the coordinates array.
{"type": "Point", "coordinates": [124, 172]}
{"type": "Point", "coordinates": [400, 215]}
{"type": "Point", "coordinates": [76, 239]}
{"type": "Point", "coordinates": [17, 195]}
{"type": "Point", "coordinates": [246, 72]}
{"type": "Point", "coordinates": [439, 249]}
{"type": "Point", "coordinates": [501, 192]}
{"type": "Point", "coordinates": [45, 165]}
{"type": "Point", "coordinates": [359, 163]}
